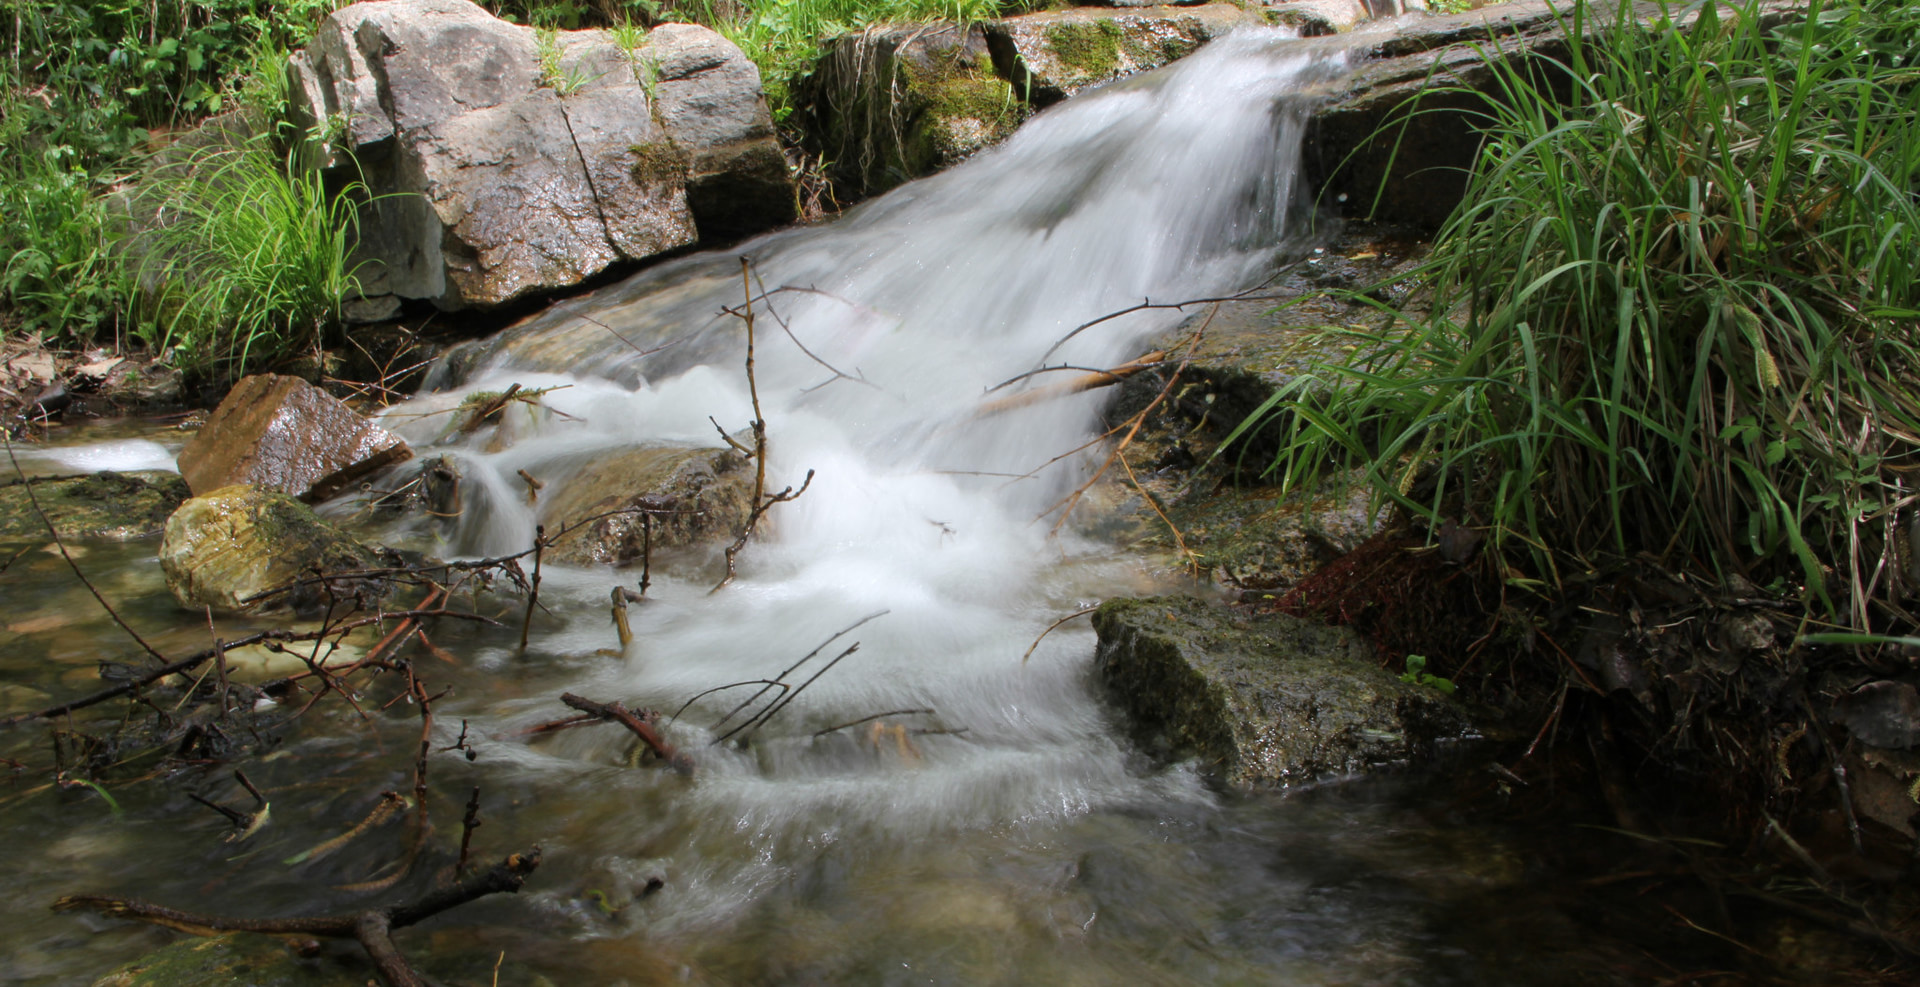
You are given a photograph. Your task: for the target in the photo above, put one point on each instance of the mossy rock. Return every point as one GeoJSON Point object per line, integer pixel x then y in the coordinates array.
{"type": "Point", "coordinates": [226, 548]}
{"type": "Point", "coordinates": [899, 102]}
{"type": "Point", "coordinates": [1091, 49]}
{"type": "Point", "coordinates": [105, 505]}
{"type": "Point", "coordinates": [222, 961]}
{"type": "Point", "coordinates": [1051, 55]}
{"type": "Point", "coordinates": [1262, 700]}
{"type": "Point", "coordinates": [705, 496]}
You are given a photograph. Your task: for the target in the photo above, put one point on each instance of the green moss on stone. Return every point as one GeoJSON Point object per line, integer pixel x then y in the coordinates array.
{"type": "Point", "coordinates": [660, 163]}
{"type": "Point", "coordinates": [959, 108]}
{"type": "Point", "coordinates": [1090, 49]}
{"type": "Point", "coordinates": [116, 506]}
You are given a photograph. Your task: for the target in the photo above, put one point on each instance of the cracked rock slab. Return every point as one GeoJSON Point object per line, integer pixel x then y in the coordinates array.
{"type": "Point", "coordinates": [502, 162]}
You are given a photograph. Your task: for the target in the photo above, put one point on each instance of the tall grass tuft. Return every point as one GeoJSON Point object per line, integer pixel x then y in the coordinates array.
{"type": "Point", "coordinates": [250, 262]}
{"type": "Point", "coordinates": [1675, 313]}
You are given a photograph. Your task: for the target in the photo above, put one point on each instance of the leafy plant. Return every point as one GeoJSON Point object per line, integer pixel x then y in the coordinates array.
{"type": "Point", "coordinates": [1417, 674]}
{"type": "Point", "coordinates": [1675, 313]}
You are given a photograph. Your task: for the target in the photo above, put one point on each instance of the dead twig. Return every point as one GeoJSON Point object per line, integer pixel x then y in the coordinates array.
{"type": "Point", "coordinates": [621, 597]}
{"type": "Point", "coordinates": [34, 501]}
{"type": "Point", "coordinates": [469, 822]}
{"type": "Point", "coordinates": [787, 699]}
{"type": "Point", "coordinates": [533, 596]}
{"type": "Point", "coordinates": [639, 724]}
{"type": "Point", "coordinates": [370, 927]}
{"type": "Point", "coordinates": [762, 502]}
{"type": "Point", "coordinates": [778, 681]}
{"type": "Point", "coordinates": [193, 661]}
{"type": "Point", "coordinates": [1090, 379]}
{"type": "Point", "coordinates": [1050, 628]}
{"type": "Point", "coordinates": [868, 719]}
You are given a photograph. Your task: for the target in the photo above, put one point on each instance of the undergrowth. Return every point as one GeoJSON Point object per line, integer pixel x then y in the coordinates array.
{"type": "Point", "coordinates": [87, 90]}
{"type": "Point", "coordinates": [1674, 316]}
{"type": "Point", "coordinates": [250, 263]}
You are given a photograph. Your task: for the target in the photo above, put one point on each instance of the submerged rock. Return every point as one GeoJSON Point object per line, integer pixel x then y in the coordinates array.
{"type": "Point", "coordinates": [704, 494]}
{"type": "Point", "coordinates": [505, 161]}
{"type": "Point", "coordinates": [1262, 700]}
{"type": "Point", "coordinates": [286, 435]}
{"type": "Point", "coordinates": [114, 506]}
{"type": "Point", "coordinates": [260, 961]}
{"type": "Point", "coordinates": [226, 547]}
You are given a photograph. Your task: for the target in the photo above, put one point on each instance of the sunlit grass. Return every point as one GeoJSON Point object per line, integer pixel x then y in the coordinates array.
{"type": "Point", "coordinates": [1674, 315]}
{"type": "Point", "coordinates": [250, 262]}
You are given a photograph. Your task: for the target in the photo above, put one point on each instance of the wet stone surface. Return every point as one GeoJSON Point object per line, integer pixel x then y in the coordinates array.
{"type": "Point", "coordinates": [1262, 700]}
{"type": "Point", "coordinates": [286, 435]}
{"type": "Point", "coordinates": [223, 549]}
{"type": "Point", "coordinates": [115, 506]}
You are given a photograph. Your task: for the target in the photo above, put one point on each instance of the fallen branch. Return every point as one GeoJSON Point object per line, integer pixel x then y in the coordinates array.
{"type": "Point", "coordinates": [640, 725]}
{"type": "Point", "coordinates": [193, 661]}
{"type": "Point", "coordinates": [1090, 379]}
{"type": "Point", "coordinates": [371, 927]}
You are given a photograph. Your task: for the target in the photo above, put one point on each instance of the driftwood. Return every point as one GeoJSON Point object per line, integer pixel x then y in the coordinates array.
{"type": "Point", "coordinates": [640, 724]}
{"type": "Point", "coordinates": [371, 927]}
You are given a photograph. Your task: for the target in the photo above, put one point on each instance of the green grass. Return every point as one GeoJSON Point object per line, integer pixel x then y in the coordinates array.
{"type": "Point", "coordinates": [251, 264]}
{"type": "Point", "coordinates": [1674, 315]}
{"type": "Point", "coordinates": [84, 89]}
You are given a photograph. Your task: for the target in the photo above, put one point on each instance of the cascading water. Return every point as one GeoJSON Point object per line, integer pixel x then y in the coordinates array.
{"type": "Point", "coordinates": [1171, 186]}
{"type": "Point", "coordinates": [1024, 845]}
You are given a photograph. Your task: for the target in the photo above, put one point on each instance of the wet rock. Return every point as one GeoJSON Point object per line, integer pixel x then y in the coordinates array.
{"type": "Point", "coordinates": [1394, 146]}
{"type": "Point", "coordinates": [1367, 146]}
{"type": "Point", "coordinates": [899, 101]}
{"type": "Point", "coordinates": [108, 505]}
{"type": "Point", "coordinates": [1313, 18]}
{"type": "Point", "coordinates": [709, 493]}
{"type": "Point", "coordinates": [224, 548]}
{"type": "Point", "coordinates": [286, 435]}
{"type": "Point", "coordinates": [260, 961]}
{"type": "Point", "coordinates": [1262, 700]}
{"type": "Point", "coordinates": [506, 161]}
{"type": "Point", "coordinates": [1051, 55]}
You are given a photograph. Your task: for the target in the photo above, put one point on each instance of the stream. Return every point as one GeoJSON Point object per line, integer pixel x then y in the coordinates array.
{"type": "Point", "coordinates": [1009, 833]}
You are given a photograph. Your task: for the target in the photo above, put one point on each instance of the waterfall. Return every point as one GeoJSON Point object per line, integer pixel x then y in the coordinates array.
{"type": "Point", "coordinates": [1178, 184]}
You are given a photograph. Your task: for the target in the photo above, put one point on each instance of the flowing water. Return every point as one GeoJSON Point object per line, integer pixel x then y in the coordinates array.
{"type": "Point", "coordinates": [1008, 834]}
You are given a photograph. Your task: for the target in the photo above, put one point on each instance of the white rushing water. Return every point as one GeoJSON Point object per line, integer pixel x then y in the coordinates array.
{"type": "Point", "coordinates": [1175, 185]}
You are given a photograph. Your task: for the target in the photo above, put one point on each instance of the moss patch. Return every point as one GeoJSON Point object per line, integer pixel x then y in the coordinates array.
{"type": "Point", "coordinates": [958, 110]}
{"type": "Point", "coordinates": [1090, 49]}
{"type": "Point", "coordinates": [660, 163]}
{"type": "Point", "coordinates": [117, 506]}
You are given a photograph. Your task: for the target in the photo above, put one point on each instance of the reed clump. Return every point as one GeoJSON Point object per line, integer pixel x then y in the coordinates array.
{"type": "Point", "coordinates": [1674, 316]}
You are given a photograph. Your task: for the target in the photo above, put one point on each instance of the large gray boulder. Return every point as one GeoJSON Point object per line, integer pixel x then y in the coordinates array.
{"type": "Point", "coordinates": [1262, 700]}
{"type": "Point", "coordinates": [503, 161]}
